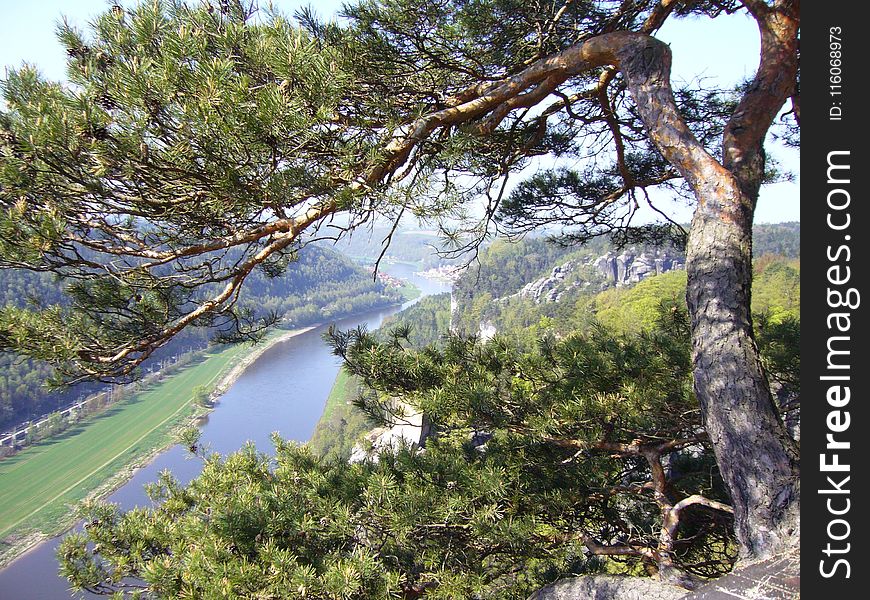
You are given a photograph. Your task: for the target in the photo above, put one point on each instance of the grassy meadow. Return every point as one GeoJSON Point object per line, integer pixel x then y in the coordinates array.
{"type": "Point", "coordinates": [40, 485]}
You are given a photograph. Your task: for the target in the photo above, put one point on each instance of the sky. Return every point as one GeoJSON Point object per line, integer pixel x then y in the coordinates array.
{"type": "Point", "coordinates": [724, 51]}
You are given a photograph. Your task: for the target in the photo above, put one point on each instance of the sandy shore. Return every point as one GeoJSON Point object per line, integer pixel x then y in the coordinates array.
{"type": "Point", "coordinates": [18, 547]}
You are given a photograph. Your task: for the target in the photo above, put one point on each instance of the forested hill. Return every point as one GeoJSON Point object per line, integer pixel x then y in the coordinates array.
{"type": "Point", "coordinates": [319, 285]}
{"type": "Point", "coordinates": [783, 239]}
{"type": "Point", "coordinates": [514, 291]}
{"type": "Point", "coordinates": [513, 285]}
{"type": "Point", "coordinates": [405, 245]}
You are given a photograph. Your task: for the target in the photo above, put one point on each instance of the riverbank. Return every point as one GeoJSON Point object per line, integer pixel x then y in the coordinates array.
{"type": "Point", "coordinates": [91, 460]}
{"type": "Point", "coordinates": [258, 404]}
{"type": "Point", "coordinates": [279, 336]}
{"type": "Point", "coordinates": [342, 423]}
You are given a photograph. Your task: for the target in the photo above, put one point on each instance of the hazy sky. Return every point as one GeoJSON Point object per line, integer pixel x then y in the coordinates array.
{"type": "Point", "coordinates": [725, 51]}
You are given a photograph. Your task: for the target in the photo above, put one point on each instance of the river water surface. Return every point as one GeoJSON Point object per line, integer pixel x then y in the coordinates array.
{"type": "Point", "coordinates": [284, 390]}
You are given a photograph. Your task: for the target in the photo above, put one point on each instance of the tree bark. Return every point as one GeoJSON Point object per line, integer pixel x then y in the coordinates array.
{"type": "Point", "coordinates": [757, 458]}
{"type": "Point", "coordinates": [753, 450]}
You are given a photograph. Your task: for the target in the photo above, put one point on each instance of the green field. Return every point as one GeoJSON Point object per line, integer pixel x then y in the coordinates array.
{"type": "Point", "coordinates": [40, 485]}
{"type": "Point", "coordinates": [341, 424]}
{"type": "Point", "coordinates": [410, 291]}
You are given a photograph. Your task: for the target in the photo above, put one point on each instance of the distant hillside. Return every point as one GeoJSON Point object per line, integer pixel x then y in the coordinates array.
{"type": "Point", "coordinates": [22, 391]}
{"type": "Point", "coordinates": [405, 245]}
{"type": "Point", "coordinates": [428, 319]}
{"type": "Point", "coordinates": [515, 285]}
{"type": "Point", "coordinates": [783, 239]}
{"type": "Point", "coordinates": [321, 284]}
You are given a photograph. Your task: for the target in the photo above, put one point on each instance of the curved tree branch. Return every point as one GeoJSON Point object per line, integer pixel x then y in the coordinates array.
{"type": "Point", "coordinates": [774, 82]}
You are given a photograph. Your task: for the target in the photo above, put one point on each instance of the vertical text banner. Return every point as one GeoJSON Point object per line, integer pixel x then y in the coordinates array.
{"type": "Point", "coordinates": [835, 427]}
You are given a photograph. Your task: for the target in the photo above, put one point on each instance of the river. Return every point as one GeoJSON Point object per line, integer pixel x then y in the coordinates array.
{"type": "Point", "coordinates": [284, 390]}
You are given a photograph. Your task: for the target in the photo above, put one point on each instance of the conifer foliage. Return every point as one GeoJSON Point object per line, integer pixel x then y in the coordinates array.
{"type": "Point", "coordinates": [198, 142]}
{"type": "Point", "coordinates": [585, 454]}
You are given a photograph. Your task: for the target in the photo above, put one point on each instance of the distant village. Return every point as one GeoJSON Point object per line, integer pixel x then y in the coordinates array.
{"type": "Point", "coordinates": [448, 273]}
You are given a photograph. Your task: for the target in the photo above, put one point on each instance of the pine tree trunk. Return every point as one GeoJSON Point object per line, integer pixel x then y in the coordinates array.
{"type": "Point", "coordinates": [756, 457]}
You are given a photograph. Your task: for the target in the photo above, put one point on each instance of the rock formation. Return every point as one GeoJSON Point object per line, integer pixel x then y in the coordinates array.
{"type": "Point", "coordinates": [550, 288]}
{"type": "Point", "coordinates": [408, 430]}
{"type": "Point", "coordinates": [608, 587]}
{"type": "Point", "coordinates": [632, 266]}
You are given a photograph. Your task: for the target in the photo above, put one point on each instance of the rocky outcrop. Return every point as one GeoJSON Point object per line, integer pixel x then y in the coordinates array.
{"type": "Point", "coordinates": [550, 288]}
{"type": "Point", "coordinates": [486, 331]}
{"type": "Point", "coordinates": [608, 587]}
{"type": "Point", "coordinates": [626, 268]}
{"type": "Point", "coordinates": [631, 266]}
{"type": "Point", "coordinates": [409, 430]}
{"type": "Point", "coordinates": [777, 578]}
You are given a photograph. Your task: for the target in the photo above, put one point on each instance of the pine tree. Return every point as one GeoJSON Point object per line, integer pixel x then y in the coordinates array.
{"type": "Point", "coordinates": [197, 143]}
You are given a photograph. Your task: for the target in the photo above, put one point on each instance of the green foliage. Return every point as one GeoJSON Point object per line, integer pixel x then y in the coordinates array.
{"type": "Point", "coordinates": [779, 342]}
{"type": "Point", "coordinates": [190, 436]}
{"type": "Point", "coordinates": [428, 320]}
{"type": "Point", "coordinates": [293, 527]}
{"type": "Point", "coordinates": [23, 394]}
{"type": "Point", "coordinates": [489, 292]}
{"type": "Point", "coordinates": [55, 424]}
{"type": "Point", "coordinates": [202, 396]}
{"type": "Point", "coordinates": [458, 520]}
{"type": "Point", "coordinates": [200, 142]}
{"type": "Point", "coordinates": [776, 290]}
{"type": "Point", "coordinates": [637, 308]}
{"type": "Point", "coordinates": [563, 388]}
